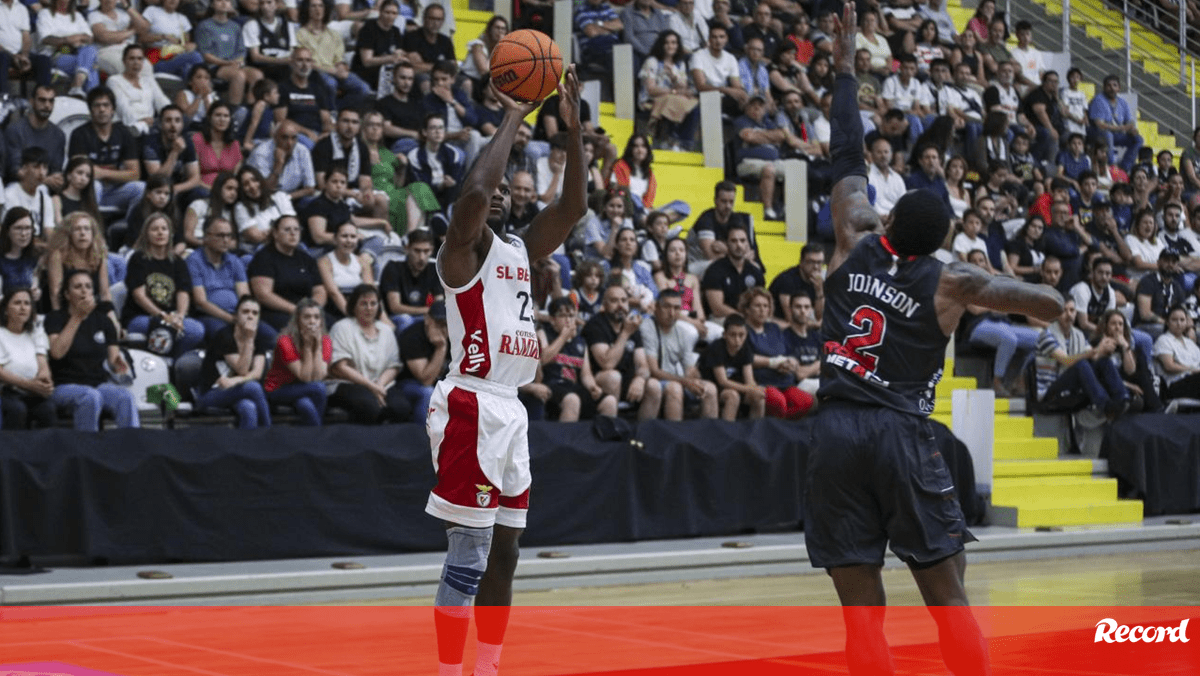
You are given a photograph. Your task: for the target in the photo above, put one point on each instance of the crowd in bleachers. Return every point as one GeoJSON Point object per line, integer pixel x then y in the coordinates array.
{"type": "Point", "coordinates": [258, 193]}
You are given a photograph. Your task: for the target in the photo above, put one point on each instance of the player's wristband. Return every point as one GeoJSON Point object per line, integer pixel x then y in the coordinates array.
{"type": "Point", "coordinates": [846, 130]}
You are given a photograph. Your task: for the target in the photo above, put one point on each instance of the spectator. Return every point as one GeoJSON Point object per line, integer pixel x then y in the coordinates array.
{"type": "Point", "coordinates": [407, 203]}
{"type": "Point", "coordinates": [567, 368]}
{"type": "Point", "coordinates": [476, 66]}
{"type": "Point", "coordinates": [169, 35]}
{"type": "Point", "coordinates": [35, 129]}
{"type": "Point", "coordinates": [1073, 161]}
{"type": "Point", "coordinates": [764, 26]}
{"type": "Point", "coordinates": [888, 184]}
{"type": "Point", "coordinates": [995, 52]}
{"type": "Point", "coordinates": [688, 25]}
{"type": "Point", "coordinates": [169, 154]}
{"type": "Point", "coordinates": [1113, 122]}
{"type": "Point", "coordinates": [902, 16]}
{"type": "Point", "coordinates": [869, 39]}
{"type": "Point", "coordinates": [667, 92]}
{"type": "Point", "coordinates": [803, 342]}
{"type": "Point", "coordinates": [282, 274]}
{"type": "Point", "coordinates": [1189, 166]}
{"type": "Point", "coordinates": [216, 148]}
{"type": "Point", "coordinates": [301, 363]}
{"type": "Point", "coordinates": [674, 275]}
{"type": "Point", "coordinates": [367, 357]}
{"type": "Point", "coordinates": [651, 249]}
{"type": "Point", "coordinates": [1066, 239]}
{"type": "Point", "coordinates": [18, 254]}
{"type": "Point", "coordinates": [411, 286]}
{"type": "Point", "coordinates": [66, 38]}
{"type": "Point", "coordinates": [379, 47]}
{"type": "Point", "coordinates": [601, 235]}
{"type": "Point", "coordinates": [903, 91]}
{"type": "Point", "coordinates": [436, 163]}
{"type": "Point", "coordinates": [1157, 293]}
{"type": "Point", "coordinates": [426, 358]}
{"type": "Point", "coordinates": [1030, 61]}
{"type": "Point", "coordinates": [285, 165]}
{"type": "Point", "coordinates": [759, 145]}
{"type": "Point", "coordinates": [233, 367]}
{"type": "Point", "coordinates": [706, 237]}
{"type": "Point", "coordinates": [634, 172]}
{"type": "Point", "coordinates": [806, 278]}
{"type": "Point", "coordinates": [1132, 362]}
{"type": "Point", "coordinates": [24, 368]}
{"type": "Point", "coordinates": [220, 203]}
{"type": "Point", "coordinates": [138, 97]}
{"type": "Point", "coordinates": [195, 98]}
{"type": "Point", "coordinates": [519, 157]}
{"type": "Point", "coordinates": [618, 358]}
{"type": "Point", "coordinates": [967, 52]}
{"type": "Point", "coordinates": [935, 10]}
{"type": "Point", "coordinates": [928, 174]}
{"type": "Point", "coordinates": [159, 289]}
{"type": "Point", "coordinates": [30, 193]}
{"type": "Point", "coordinates": [598, 27]}
{"type": "Point", "coordinates": [1072, 375]}
{"type": "Point", "coordinates": [586, 291]}
{"type": "Point", "coordinates": [754, 72]}
{"type": "Point", "coordinates": [269, 38]}
{"type": "Point", "coordinates": [346, 148]}
{"type": "Point", "coordinates": [715, 69]}
{"type": "Point", "coordinates": [78, 245]}
{"type": "Point", "coordinates": [219, 39]}
{"type": "Point", "coordinates": [328, 53]}
{"type": "Point", "coordinates": [1041, 108]}
{"type": "Point", "coordinates": [524, 203]}
{"type": "Point", "coordinates": [219, 281]}
{"type": "Point", "coordinates": [343, 270]}
{"type": "Point", "coordinates": [1073, 103]}
{"type": "Point", "coordinates": [16, 46]}
{"type": "Point", "coordinates": [158, 198]}
{"type": "Point", "coordinates": [1175, 236]}
{"type": "Point", "coordinates": [79, 191]}
{"type": "Point", "coordinates": [1144, 246]}
{"type": "Point", "coordinates": [1025, 252]}
{"type": "Point", "coordinates": [112, 150]}
{"type": "Point", "coordinates": [427, 46]}
{"type": "Point", "coordinates": [979, 24]}
{"type": "Point", "coordinates": [1002, 96]}
{"type": "Point", "coordinates": [1179, 357]}
{"type": "Point", "coordinates": [1024, 166]}
{"type": "Point", "coordinates": [729, 277]}
{"type": "Point", "coordinates": [1107, 239]}
{"type": "Point", "coordinates": [83, 352]}
{"type": "Point", "coordinates": [670, 345]}
{"type": "Point", "coordinates": [641, 23]}
{"type": "Point", "coordinates": [454, 107]}
{"type": "Point", "coordinates": [402, 115]}
{"type": "Point", "coordinates": [774, 369]}
{"type": "Point", "coordinates": [929, 47]}
{"type": "Point", "coordinates": [721, 14]}
{"type": "Point", "coordinates": [304, 99]}
{"type": "Point", "coordinates": [257, 208]}
{"type": "Point", "coordinates": [729, 363]}
{"type": "Point", "coordinates": [635, 274]}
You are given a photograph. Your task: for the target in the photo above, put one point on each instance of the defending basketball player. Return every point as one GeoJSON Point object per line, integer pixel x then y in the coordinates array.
{"type": "Point", "coordinates": [875, 478]}
{"type": "Point", "coordinates": [477, 427]}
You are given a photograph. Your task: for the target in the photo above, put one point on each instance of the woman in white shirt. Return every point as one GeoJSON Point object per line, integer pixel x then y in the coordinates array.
{"type": "Point", "coordinates": [65, 36]}
{"type": "Point", "coordinates": [479, 50]}
{"type": "Point", "coordinates": [1179, 356]}
{"type": "Point", "coordinates": [1144, 245]}
{"type": "Point", "coordinates": [366, 358]}
{"type": "Point", "coordinates": [24, 366]}
{"type": "Point", "coordinates": [138, 98]}
{"type": "Point", "coordinates": [256, 211]}
{"type": "Point", "coordinates": [342, 269]}
{"type": "Point", "coordinates": [114, 27]}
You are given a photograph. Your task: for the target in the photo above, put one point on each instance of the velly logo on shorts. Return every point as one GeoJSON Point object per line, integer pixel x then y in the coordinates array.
{"type": "Point", "coordinates": [1109, 631]}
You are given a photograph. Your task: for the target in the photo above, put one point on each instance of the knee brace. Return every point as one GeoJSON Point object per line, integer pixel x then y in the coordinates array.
{"type": "Point", "coordinates": [466, 562]}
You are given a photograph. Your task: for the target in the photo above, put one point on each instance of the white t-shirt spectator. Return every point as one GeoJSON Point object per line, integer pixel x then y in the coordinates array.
{"type": "Point", "coordinates": [1183, 350]}
{"type": "Point", "coordinates": [165, 23]}
{"type": "Point", "coordinates": [674, 350]}
{"type": "Point", "coordinates": [19, 351]}
{"type": "Point", "coordinates": [39, 204]}
{"type": "Point", "coordinates": [251, 218]}
{"type": "Point", "coordinates": [717, 71]}
{"type": "Point", "coordinates": [903, 96]}
{"type": "Point", "coordinates": [1147, 251]}
{"type": "Point", "coordinates": [121, 23]}
{"type": "Point", "coordinates": [1031, 62]}
{"type": "Point", "coordinates": [888, 189]}
{"type": "Point", "coordinates": [14, 18]}
{"type": "Point", "coordinates": [1074, 102]}
{"type": "Point", "coordinates": [964, 244]}
{"type": "Point", "coordinates": [58, 26]}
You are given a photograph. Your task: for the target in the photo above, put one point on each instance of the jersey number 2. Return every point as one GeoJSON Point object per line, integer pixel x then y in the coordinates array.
{"type": "Point", "coordinates": [872, 324]}
{"type": "Point", "coordinates": [525, 300]}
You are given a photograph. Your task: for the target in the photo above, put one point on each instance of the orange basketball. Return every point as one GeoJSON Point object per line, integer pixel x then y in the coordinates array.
{"type": "Point", "coordinates": [527, 65]}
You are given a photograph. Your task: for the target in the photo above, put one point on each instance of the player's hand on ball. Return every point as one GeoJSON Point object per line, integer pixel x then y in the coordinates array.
{"type": "Point", "coordinates": [510, 104]}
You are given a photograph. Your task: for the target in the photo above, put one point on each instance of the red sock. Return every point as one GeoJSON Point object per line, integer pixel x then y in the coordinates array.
{"type": "Point", "coordinates": [491, 622]}
{"type": "Point", "coordinates": [452, 624]}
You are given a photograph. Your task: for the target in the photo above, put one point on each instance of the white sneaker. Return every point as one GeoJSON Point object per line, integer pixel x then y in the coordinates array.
{"type": "Point", "coordinates": [1172, 406]}
{"type": "Point", "coordinates": [770, 215]}
{"type": "Point", "coordinates": [77, 92]}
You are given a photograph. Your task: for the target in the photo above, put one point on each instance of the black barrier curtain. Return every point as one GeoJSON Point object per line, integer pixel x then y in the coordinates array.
{"type": "Point", "coordinates": [1158, 456]}
{"type": "Point", "coordinates": [209, 494]}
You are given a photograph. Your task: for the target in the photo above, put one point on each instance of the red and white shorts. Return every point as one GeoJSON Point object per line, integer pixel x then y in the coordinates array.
{"type": "Point", "coordinates": [480, 442]}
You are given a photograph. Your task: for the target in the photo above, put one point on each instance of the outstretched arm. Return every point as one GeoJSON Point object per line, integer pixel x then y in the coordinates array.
{"type": "Point", "coordinates": [853, 215]}
{"type": "Point", "coordinates": [468, 237]}
{"type": "Point", "coordinates": [964, 284]}
{"type": "Point", "coordinates": [552, 225]}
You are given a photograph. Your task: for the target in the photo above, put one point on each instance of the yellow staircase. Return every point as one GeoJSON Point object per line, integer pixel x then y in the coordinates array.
{"type": "Point", "coordinates": [1031, 486]}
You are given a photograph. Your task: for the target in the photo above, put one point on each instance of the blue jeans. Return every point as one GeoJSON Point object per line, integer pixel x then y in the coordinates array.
{"type": "Point", "coordinates": [84, 59]}
{"type": "Point", "coordinates": [193, 333]}
{"type": "Point", "coordinates": [1132, 143]}
{"type": "Point", "coordinates": [307, 398]}
{"type": "Point", "coordinates": [1089, 382]}
{"type": "Point", "coordinates": [180, 64]}
{"type": "Point", "coordinates": [87, 403]}
{"type": "Point", "coordinates": [354, 89]}
{"type": "Point", "coordinates": [120, 197]}
{"type": "Point", "coordinates": [1006, 339]}
{"type": "Point", "coordinates": [247, 400]}
{"type": "Point", "coordinates": [418, 395]}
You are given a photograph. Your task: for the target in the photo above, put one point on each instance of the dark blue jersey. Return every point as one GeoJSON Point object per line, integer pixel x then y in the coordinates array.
{"type": "Point", "coordinates": [883, 343]}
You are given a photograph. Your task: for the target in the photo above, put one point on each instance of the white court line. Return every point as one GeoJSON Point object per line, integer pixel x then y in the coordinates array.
{"type": "Point", "coordinates": [151, 660]}
{"type": "Point", "coordinates": [247, 657]}
{"type": "Point", "coordinates": [56, 641]}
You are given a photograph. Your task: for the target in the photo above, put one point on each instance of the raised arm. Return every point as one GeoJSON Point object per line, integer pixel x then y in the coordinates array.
{"type": "Point", "coordinates": [964, 284]}
{"type": "Point", "coordinates": [853, 215]}
{"type": "Point", "coordinates": [551, 226]}
{"type": "Point", "coordinates": [468, 237]}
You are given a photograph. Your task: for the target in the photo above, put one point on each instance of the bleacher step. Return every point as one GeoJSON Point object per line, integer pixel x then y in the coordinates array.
{"type": "Point", "coordinates": [1041, 468]}
{"type": "Point", "coordinates": [1034, 492]}
{"type": "Point", "coordinates": [1029, 448]}
{"type": "Point", "coordinates": [1066, 514]}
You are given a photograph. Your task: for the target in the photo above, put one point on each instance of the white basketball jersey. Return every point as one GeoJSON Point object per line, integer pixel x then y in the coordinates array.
{"type": "Point", "coordinates": [492, 320]}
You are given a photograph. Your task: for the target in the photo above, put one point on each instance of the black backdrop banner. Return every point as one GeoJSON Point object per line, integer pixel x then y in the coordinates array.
{"type": "Point", "coordinates": [216, 494]}
{"type": "Point", "coordinates": [1159, 457]}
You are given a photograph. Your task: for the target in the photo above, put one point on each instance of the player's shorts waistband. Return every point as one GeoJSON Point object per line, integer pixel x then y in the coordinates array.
{"type": "Point", "coordinates": [480, 385]}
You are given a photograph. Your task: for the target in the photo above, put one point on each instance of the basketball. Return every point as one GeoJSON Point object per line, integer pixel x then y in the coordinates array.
{"type": "Point", "coordinates": [526, 65]}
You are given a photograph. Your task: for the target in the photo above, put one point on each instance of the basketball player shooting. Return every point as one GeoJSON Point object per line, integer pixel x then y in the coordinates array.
{"type": "Point", "coordinates": [477, 427]}
{"type": "Point", "coordinates": [875, 477]}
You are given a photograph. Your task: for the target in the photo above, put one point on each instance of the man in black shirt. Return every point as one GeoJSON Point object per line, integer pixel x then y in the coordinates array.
{"type": "Point", "coordinates": [803, 279]}
{"type": "Point", "coordinates": [428, 46]}
{"type": "Point", "coordinates": [728, 277]}
{"type": "Point", "coordinates": [347, 147]}
{"type": "Point", "coordinates": [304, 99]}
{"type": "Point", "coordinates": [403, 117]}
{"type": "Point", "coordinates": [1156, 293]}
{"type": "Point", "coordinates": [424, 347]}
{"type": "Point", "coordinates": [169, 153]}
{"type": "Point", "coordinates": [615, 345]}
{"type": "Point", "coordinates": [113, 151]}
{"type": "Point", "coordinates": [524, 203]}
{"type": "Point", "coordinates": [411, 286]}
{"type": "Point", "coordinates": [1041, 108]}
{"type": "Point", "coordinates": [706, 238]}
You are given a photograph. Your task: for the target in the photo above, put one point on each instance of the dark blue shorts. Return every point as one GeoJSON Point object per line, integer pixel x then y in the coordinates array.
{"type": "Point", "coordinates": [876, 477]}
